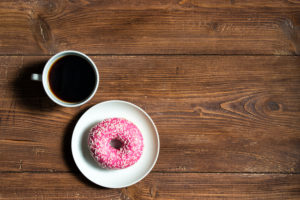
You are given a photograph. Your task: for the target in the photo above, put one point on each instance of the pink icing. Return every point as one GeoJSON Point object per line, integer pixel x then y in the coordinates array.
{"type": "Point", "coordinates": [115, 143]}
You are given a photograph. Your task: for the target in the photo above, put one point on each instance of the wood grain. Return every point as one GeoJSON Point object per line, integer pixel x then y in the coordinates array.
{"type": "Point", "coordinates": [154, 186]}
{"type": "Point", "coordinates": [213, 113]}
{"type": "Point", "coordinates": [50, 6]}
{"type": "Point", "coordinates": [219, 78]}
{"type": "Point", "coordinates": [146, 27]}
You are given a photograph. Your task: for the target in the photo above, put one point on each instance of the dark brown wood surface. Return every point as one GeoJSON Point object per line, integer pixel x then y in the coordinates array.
{"type": "Point", "coordinates": [142, 27]}
{"type": "Point", "coordinates": [221, 80]}
{"type": "Point", "coordinates": [155, 186]}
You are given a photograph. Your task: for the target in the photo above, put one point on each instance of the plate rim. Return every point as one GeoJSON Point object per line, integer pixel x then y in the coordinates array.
{"type": "Point", "coordinates": [156, 133]}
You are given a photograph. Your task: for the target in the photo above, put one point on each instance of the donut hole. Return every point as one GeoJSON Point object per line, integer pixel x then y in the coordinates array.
{"type": "Point", "coordinates": [116, 143]}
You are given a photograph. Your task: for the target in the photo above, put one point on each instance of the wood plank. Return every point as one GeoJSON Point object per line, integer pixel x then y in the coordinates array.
{"type": "Point", "coordinates": [140, 27]}
{"type": "Point", "coordinates": [154, 186]}
{"type": "Point", "coordinates": [215, 113]}
{"type": "Point", "coordinates": [292, 5]}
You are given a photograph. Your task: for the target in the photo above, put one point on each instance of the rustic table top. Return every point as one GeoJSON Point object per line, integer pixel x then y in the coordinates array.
{"type": "Point", "coordinates": [221, 80]}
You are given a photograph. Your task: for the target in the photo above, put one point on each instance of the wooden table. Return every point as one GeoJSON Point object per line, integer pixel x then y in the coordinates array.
{"type": "Point", "coordinates": [221, 80]}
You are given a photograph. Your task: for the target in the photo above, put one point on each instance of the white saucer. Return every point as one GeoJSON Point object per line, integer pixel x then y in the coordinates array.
{"type": "Point", "coordinates": [122, 177]}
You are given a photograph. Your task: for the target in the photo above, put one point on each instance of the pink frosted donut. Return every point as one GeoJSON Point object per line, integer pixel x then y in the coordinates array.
{"type": "Point", "coordinates": [115, 143]}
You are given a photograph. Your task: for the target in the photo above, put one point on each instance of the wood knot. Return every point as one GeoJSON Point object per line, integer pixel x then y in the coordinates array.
{"type": "Point", "coordinates": [52, 7]}
{"type": "Point", "coordinates": [125, 194]}
{"type": "Point", "coordinates": [153, 191]}
{"type": "Point", "coordinates": [42, 34]}
{"type": "Point", "coordinates": [291, 31]}
{"type": "Point", "coordinates": [214, 26]}
{"type": "Point", "coordinates": [197, 110]}
{"type": "Point", "coordinates": [273, 106]}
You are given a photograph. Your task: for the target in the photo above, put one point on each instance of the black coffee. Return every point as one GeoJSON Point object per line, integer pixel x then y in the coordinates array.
{"type": "Point", "coordinates": [72, 78]}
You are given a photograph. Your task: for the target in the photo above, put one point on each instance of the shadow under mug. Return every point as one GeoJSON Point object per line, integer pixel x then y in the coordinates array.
{"type": "Point", "coordinates": [44, 78]}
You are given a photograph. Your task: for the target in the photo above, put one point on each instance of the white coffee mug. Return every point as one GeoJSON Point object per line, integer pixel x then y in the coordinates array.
{"type": "Point", "coordinates": [44, 77]}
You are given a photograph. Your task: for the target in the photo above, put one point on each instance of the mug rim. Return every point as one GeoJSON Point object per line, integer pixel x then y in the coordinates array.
{"type": "Point", "coordinates": [45, 78]}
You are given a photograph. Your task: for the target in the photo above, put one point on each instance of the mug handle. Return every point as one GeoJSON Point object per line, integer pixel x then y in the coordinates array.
{"type": "Point", "coordinates": [36, 77]}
